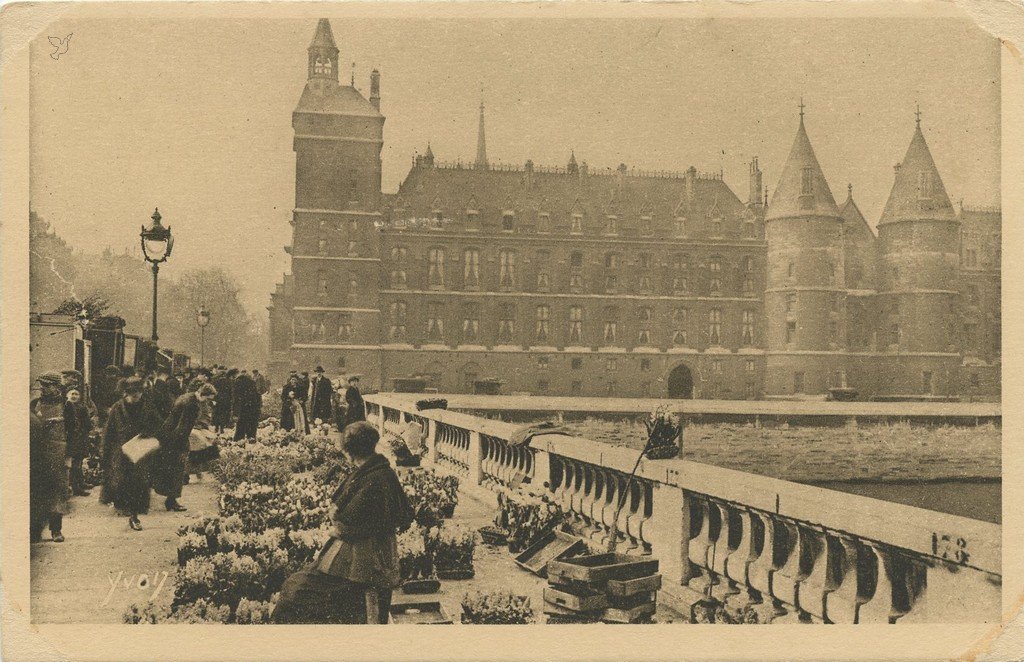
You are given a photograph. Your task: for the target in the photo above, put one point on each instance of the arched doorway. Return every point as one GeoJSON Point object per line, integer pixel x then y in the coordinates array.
{"type": "Point", "coordinates": [680, 383]}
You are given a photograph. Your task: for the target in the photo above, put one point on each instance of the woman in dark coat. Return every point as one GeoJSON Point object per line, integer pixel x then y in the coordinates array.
{"type": "Point", "coordinates": [293, 406]}
{"type": "Point", "coordinates": [222, 405]}
{"type": "Point", "coordinates": [77, 428]}
{"type": "Point", "coordinates": [355, 408]}
{"type": "Point", "coordinates": [246, 406]}
{"type": "Point", "coordinates": [370, 507]}
{"type": "Point", "coordinates": [169, 464]}
{"type": "Point", "coordinates": [127, 483]}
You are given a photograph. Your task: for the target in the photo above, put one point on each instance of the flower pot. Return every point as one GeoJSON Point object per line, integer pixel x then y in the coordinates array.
{"type": "Point", "coordinates": [421, 586]}
{"type": "Point", "coordinates": [456, 573]}
{"type": "Point", "coordinates": [492, 535]}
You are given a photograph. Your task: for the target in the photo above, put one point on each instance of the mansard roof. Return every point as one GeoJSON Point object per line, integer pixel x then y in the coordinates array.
{"type": "Point", "coordinates": [328, 96]}
{"type": "Point", "coordinates": [917, 192]}
{"type": "Point", "coordinates": [802, 189]}
{"type": "Point", "coordinates": [556, 191]}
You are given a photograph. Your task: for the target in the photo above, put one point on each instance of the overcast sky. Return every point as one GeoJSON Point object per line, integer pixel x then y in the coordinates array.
{"type": "Point", "coordinates": [195, 116]}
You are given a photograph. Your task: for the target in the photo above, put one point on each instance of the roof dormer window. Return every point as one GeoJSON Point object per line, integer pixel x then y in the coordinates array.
{"type": "Point", "coordinates": [807, 181]}
{"type": "Point", "coordinates": [508, 221]}
{"type": "Point", "coordinates": [924, 185]}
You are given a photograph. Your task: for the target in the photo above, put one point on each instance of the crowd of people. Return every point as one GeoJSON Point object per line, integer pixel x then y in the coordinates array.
{"type": "Point", "coordinates": [138, 427]}
{"type": "Point", "coordinates": [155, 410]}
{"type": "Point", "coordinates": [317, 399]}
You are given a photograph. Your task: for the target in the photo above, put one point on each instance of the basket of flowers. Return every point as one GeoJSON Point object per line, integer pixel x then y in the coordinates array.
{"type": "Point", "coordinates": [451, 548]}
{"type": "Point", "coordinates": [496, 608]}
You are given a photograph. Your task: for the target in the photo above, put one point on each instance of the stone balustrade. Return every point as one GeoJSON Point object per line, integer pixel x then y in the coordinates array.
{"type": "Point", "coordinates": [734, 546]}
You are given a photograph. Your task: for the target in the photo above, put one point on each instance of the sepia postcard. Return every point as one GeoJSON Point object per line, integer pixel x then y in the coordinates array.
{"type": "Point", "coordinates": [686, 318]}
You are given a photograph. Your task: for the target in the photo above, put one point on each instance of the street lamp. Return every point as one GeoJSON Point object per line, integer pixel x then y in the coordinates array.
{"type": "Point", "coordinates": [202, 319]}
{"type": "Point", "coordinates": [157, 243]}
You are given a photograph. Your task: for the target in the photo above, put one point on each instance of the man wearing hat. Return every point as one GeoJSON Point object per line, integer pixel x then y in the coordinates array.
{"type": "Point", "coordinates": [49, 489]}
{"type": "Point", "coordinates": [320, 397]}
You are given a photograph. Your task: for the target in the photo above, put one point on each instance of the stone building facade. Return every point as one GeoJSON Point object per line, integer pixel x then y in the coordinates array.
{"type": "Point", "coordinates": [573, 280]}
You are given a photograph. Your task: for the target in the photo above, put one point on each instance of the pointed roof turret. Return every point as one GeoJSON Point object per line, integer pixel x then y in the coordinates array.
{"type": "Point", "coordinates": [573, 168]}
{"type": "Point", "coordinates": [802, 189]}
{"type": "Point", "coordinates": [917, 192]}
{"type": "Point", "coordinates": [481, 143]}
{"type": "Point", "coordinates": [324, 37]}
{"type": "Point", "coordinates": [323, 93]}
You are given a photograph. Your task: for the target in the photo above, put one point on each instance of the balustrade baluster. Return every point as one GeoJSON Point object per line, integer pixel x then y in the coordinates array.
{"type": "Point", "coordinates": [824, 572]}
{"type": "Point", "coordinates": [900, 580]}
{"type": "Point", "coordinates": [786, 580]}
{"type": "Point", "coordinates": [855, 568]}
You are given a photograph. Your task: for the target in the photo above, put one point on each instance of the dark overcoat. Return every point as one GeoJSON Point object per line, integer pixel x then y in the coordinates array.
{"type": "Point", "coordinates": [77, 426]}
{"type": "Point", "coordinates": [355, 409]}
{"type": "Point", "coordinates": [169, 464]}
{"type": "Point", "coordinates": [320, 399]}
{"type": "Point", "coordinates": [126, 484]}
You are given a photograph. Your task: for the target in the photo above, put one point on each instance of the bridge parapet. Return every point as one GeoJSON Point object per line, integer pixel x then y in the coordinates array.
{"type": "Point", "coordinates": [760, 548]}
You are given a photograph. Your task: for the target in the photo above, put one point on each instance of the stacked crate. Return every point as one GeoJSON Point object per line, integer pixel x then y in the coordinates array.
{"type": "Point", "coordinates": [613, 588]}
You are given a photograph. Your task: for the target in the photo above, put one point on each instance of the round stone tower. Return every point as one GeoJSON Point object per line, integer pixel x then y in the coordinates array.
{"type": "Point", "coordinates": [805, 297]}
{"type": "Point", "coordinates": [918, 297]}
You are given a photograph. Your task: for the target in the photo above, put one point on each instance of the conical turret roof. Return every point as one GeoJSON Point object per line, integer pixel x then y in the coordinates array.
{"type": "Point", "coordinates": [917, 193]}
{"type": "Point", "coordinates": [802, 190]}
{"type": "Point", "coordinates": [324, 37]}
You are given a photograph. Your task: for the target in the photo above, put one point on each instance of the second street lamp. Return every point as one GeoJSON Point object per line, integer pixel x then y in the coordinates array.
{"type": "Point", "coordinates": [202, 319]}
{"type": "Point", "coordinates": [157, 243]}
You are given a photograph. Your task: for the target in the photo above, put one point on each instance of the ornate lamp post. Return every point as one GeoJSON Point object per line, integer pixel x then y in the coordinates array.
{"type": "Point", "coordinates": [202, 319]}
{"type": "Point", "coordinates": [157, 243]}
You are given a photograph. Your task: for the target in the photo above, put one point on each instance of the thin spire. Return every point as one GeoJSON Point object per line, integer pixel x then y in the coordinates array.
{"type": "Point", "coordinates": [917, 114]}
{"type": "Point", "coordinates": [849, 190]}
{"type": "Point", "coordinates": [353, 80]}
{"type": "Point", "coordinates": [481, 142]}
{"type": "Point", "coordinates": [802, 110]}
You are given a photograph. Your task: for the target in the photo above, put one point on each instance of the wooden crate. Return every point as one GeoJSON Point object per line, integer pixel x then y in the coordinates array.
{"type": "Point", "coordinates": [624, 588]}
{"type": "Point", "coordinates": [635, 614]}
{"type": "Point", "coordinates": [575, 600]}
{"type": "Point", "coordinates": [596, 569]}
{"type": "Point", "coordinates": [551, 546]}
{"type": "Point", "coordinates": [560, 616]}
{"type": "Point", "coordinates": [419, 613]}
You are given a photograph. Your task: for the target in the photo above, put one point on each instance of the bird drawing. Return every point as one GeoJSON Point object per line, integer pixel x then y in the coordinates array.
{"type": "Point", "coordinates": [60, 46]}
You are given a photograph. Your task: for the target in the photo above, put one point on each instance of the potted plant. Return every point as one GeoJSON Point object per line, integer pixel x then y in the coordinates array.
{"type": "Point", "coordinates": [496, 608]}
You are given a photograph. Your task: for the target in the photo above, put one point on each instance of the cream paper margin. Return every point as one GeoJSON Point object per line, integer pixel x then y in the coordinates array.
{"type": "Point", "coordinates": [19, 23]}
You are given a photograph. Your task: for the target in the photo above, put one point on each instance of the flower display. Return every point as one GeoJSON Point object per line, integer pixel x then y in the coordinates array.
{"type": "Point", "coordinates": [451, 547]}
{"type": "Point", "coordinates": [497, 608]}
{"type": "Point", "coordinates": [433, 497]}
{"type": "Point", "coordinates": [253, 612]}
{"type": "Point", "coordinates": [413, 560]}
{"type": "Point", "coordinates": [526, 517]}
{"type": "Point", "coordinates": [274, 517]}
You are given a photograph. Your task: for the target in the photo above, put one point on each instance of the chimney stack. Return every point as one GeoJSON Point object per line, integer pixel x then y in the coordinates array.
{"type": "Point", "coordinates": [375, 89]}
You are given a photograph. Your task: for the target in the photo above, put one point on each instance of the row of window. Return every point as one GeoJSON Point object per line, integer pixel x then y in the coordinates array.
{"type": "Point", "coordinates": [508, 271]}
{"type": "Point", "coordinates": [611, 224]}
{"type": "Point", "coordinates": [543, 327]}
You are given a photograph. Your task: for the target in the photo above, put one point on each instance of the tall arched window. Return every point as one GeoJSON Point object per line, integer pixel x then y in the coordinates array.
{"type": "Point", "coordinates": [435, 273]}
{"type": "Point", "coordinates": [321, 284]}
{"type": "Point", "coordinates": [399, 257]}
{"type": "Point", "coordinates": [397, 331]}
{"type": "Point", "coordinates": [576, 324]}
{"type": "Point", "coordinates": [471, 267]}
{"type": "Point", "coordinates": [507, 268]}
